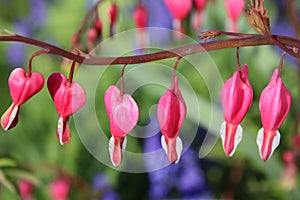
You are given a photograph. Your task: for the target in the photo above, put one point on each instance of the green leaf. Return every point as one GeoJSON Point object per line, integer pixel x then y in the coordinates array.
{"type": "Point", "coordinates": [7, 183]}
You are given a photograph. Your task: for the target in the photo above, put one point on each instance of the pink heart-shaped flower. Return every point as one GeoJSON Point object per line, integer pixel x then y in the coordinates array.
{"type": "Point", "coordinates": [68, 97]}
{"type": "Point", "coordinates": [179, 8]}
{"type": "Point", "coordinates": [22, 87]}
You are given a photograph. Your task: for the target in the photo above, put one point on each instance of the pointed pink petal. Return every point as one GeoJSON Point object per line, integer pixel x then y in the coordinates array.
{"type": "Point", "coordinates": [63, 131]}
{"type": "Point", "coordinates": [168, 113]}
{"type": "Point", "coordinates": [181, 103]}
{"type": "Point", "coordinates": [274, 104]}
{"type": "Point", "coordinates": [23, 87]}
{"type": "Point", "coordinates": [55, 82]}
{"type": "Point", "coordinates": [10, 118]}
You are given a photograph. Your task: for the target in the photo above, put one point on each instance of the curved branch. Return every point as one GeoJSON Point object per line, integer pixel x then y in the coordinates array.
{"type": "Point", "coordinates": [248, 40]}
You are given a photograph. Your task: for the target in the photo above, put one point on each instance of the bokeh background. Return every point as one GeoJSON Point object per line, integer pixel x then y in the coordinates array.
{"type": "Point", "coordinates": [31, 151]}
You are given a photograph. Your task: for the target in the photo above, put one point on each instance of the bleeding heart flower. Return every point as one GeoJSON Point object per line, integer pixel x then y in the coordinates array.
{"type": "Point", "coordinates": [197, 18]}
{"type": "Point", "coordinates": [113, 13]}
{"type": "Point", "coordinates": [234, 9]}
{"type": "Point", "coordinates": [236, 97]}
{"type": "Point", "coordinates": [123, 114]}
{"type": "Point", "coordinates": [140, 16]}
{"type": "Point", "coordinates": [179, 10]}
{"type": "Point", "coordinates": [26, 189]}
{"type": "Point", "coordinates": [22, 86]}
{"type": "Point", "coordinates": [274, 105]}
{"type": "Point", "coordinates": [60, 189]}
{"type": "Point", "coordinates": [171, 113]}
{"type": "Point", "coordinates": [68, 98]}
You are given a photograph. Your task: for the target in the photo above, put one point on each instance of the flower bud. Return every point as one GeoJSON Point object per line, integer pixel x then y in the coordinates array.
{"type": "Point", "coordinates": [274, 105]}
{"type": "Point", "coordinates": [236, 97]}
{"type": "Point", "coordinates": [171, 113]}
{"type": "Point", "coordinates": [123, 114]}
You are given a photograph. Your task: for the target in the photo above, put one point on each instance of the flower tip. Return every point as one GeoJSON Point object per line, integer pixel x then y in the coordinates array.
{"type": "Point", "coordinates": [116, 149]}
{"type": "Point", "coordinates": [231, 136]}
{"type": "Point", "coordinates": [63, 131]}
{"type": "Point", "coordinates": [172, 147]}
{"type": "Point", "coordinates": [10, 118]}
{"type": "Point", "coordinates": [267, 142]}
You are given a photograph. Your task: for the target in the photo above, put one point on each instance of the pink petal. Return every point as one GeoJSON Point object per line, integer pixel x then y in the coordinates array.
{"type": "Point", "coordinates": [234, 8]}
{"type": "Point", "coordinates": [23, 87]}
{"type": "Point", "coordinates": [140, 16]}
{"type": "Point", "coordinates": [68, 98]}
{"type": "Point", "coordinates": [168, 113]}
{"type": "Point", "coordinates": [274, 104]}
{"type": "Point", "coordinates": [179, 8]}
{"type": "Point", "coordinates": [236, 96]}
{"type": "Point", "coordinates": [10, 118]}
{"type": "Point", "coordinates": [200, 4]}
{"type": "Point", "coordinates": [123, 112]}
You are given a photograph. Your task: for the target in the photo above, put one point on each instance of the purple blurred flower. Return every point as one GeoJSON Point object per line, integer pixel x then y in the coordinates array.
{"type": "Point", "coordinates": [159, 16]}
{"type": "Point", "coordinates": [38, 13]}
{"type": "Point", "coordinates": [102, 186]}
{"type": "Point", "coordinates": [186, 176]}
{"type": "Point", "coordinates": [15, 51]}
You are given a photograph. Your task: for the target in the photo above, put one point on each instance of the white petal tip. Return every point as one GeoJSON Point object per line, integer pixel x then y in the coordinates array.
{"type": "Point", "coordinates": [228, 147]}
{"type": "Point", "coordinates": [265, 153]}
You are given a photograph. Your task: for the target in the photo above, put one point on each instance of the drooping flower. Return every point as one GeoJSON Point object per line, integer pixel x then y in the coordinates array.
{"type": "Point", "coordinates": [274, 105]}
{"type": "Point", "coordinates": [113, 13]}
{"type": "Point", "coordinates": [59, 189]}
{"type": "Point", "coordinates": [140, 16]}
{"type": "Point", "coordinates": [171, 113]}
{"type": "Point", "coordinates": [236, 98]}
{"type": "Point", "coordinates": [179, 10]}
{"type": "Point", "coordinates": [197, 18]}
{"type": "Point", "coordinates": [22, 86]}
{"type": "Point", "coordinates": [123, 114]}
{"type": "Point", "coordinates": [68, 98]}
{"type": "Point", "coordinates": [234, 9]}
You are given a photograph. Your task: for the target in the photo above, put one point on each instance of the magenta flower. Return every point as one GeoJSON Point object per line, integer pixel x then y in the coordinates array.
{"type": "Point", "coordinates": [123, 114]}
{"type": "Point", "coordinates": [68, 98]}
{"type": "Point", "coordinates": [179, 10]}
{"type": "Point", "coordinates": [26, 189]}
{"type": "Point", "coordinates": [60, 189]}
{"type": "Point", "coordinates": [22, 86]}
{"type": "Point", "coordinates": [274, 105]}
{"type": "Point", "coordinates": [140, 16]}
{"type": "Point", "coordinates": [236, 97]}
{"type": "Point", "coordinates": [171, 113]}
{"type": "Point", "coordinates": [234, 9]}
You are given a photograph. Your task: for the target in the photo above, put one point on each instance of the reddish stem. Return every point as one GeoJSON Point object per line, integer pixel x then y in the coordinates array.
{"type": "Point", "coordinates": [40, 52]}
{"type": "Point", "coordinates": [251, 40]}
{"type": "Point", "coordinates": [281, 64]}
{"type": "Point", "coordinates": [122, 81]}
{"type": "Point", "coordinates": [237, 53]}
{"type": "Point", "coordinates": [172, 87]}
{"type": "Point", "coordinates": [70, 79]}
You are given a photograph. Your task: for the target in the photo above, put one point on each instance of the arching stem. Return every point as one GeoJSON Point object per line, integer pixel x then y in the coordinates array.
{"type": "Point", "coordinates": [40, 52]}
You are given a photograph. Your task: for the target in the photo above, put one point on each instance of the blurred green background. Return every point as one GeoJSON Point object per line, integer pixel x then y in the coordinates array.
{"type": "Point", "coordinates": [31, 150]}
